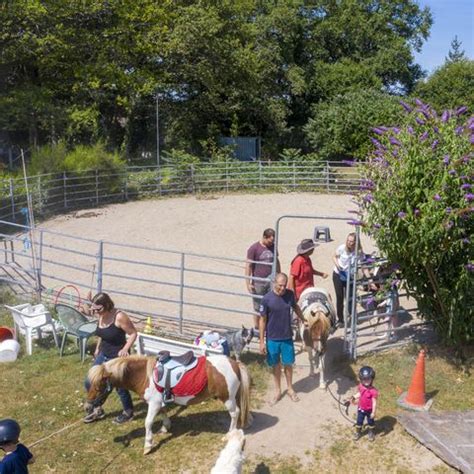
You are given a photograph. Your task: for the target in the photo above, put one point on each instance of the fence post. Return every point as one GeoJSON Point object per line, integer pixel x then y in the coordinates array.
{"type": "Point", "coordinates": [100, 260]}
{"type": "Point", "coordinates": [294, 175]}
{"type": "Point", "coordinates": [158, 180]}
{"type": "Point", "coordinates": [181, 293]}
{"type": "Point", "coordinates": [96, 187]}
{"type": "Point", "coordinates": [40, 264]}
{"type": "Point", "coordinates": [12, 197]}
{"type": "Point", "coordinates": [193, 184]}
{"type": "Point", "coordinates": [125, 187]}
{"type": "Point", "coordinates": [64, 189]}
{"type": "Point", "coordinates": [259, 174]}
{"type": "Point", "coordinates": [40, 198]}
{"type": "Point", "coordinates": [327, 176]}
{"type": "Point", "coordinates": [226, 176]}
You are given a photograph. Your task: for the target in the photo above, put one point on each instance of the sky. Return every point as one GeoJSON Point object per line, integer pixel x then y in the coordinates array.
{"type": "Point", "coordinates": [450, 18]}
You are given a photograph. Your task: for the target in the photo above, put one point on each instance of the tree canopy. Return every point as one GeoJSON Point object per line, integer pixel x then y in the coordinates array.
{"type": "Point", "coordinates": [91, 70]}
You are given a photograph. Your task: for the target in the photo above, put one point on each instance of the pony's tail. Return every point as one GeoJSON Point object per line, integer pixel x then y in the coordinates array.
{"type": "Point", "coordinates": [245, 415]}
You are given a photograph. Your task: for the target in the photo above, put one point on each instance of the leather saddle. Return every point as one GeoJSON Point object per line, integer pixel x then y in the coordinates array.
{"type": "Point", "coordinates": [169, 371]}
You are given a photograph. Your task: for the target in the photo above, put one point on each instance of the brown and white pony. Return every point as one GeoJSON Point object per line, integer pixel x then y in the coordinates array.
{"type": "Point", "coordinates": [227, 380]}
{"type": "Point", "coordinates": [318, 309]}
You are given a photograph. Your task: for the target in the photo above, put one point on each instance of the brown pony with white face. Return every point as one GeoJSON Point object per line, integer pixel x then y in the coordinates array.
{"type": "Point", "coordinates": [315, 332]}
{"type": "Point", "coordinates": [227, 380]}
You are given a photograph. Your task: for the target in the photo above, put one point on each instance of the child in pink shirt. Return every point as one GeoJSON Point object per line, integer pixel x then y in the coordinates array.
{"type": "Point", "coordinates": [367, 402]}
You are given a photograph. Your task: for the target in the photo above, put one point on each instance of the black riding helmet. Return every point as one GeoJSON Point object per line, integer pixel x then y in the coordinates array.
{"type": "Point", "coordinates": [366, 372]}
{"type": "Point", "coordinates": [9, 431]}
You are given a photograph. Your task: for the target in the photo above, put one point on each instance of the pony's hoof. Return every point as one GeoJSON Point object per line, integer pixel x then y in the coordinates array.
{"type": "Point", "coordinates": [163, 430]}
{"type": "Point", "coordinates": [323, 386]}
{"type": "Point", "coordinates": [147, 450]}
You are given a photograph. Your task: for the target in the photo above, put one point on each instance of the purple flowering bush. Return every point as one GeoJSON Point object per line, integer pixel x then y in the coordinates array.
{"type": "Point", "coordinates": [416, 200]}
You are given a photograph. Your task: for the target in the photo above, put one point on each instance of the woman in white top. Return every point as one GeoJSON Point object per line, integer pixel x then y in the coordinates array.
{"type": "Point", "coordinates": [343, 257]}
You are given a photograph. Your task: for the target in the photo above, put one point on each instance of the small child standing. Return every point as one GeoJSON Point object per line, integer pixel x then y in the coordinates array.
{"type": "Point", "coordinates": [17, 456]}
{"type": "Point", "coordinates": [367, 402]}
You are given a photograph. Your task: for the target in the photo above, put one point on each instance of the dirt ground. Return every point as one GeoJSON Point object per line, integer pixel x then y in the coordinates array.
{"type": "Point", "coordinates": [217, 226]}
{"type": "Point", "coordinates": [315, 430]}
{"type": "Point", "coordinates": [226, 225]}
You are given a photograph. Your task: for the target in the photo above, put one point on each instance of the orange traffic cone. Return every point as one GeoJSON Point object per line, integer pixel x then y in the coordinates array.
{"type": "Point", "coordinates": [415, 398]}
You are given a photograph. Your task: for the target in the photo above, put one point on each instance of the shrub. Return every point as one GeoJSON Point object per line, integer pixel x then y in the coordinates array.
{"type": "Point", "coordinates": [95, 157]}
{"type": "Point", "coordinates": [48, 159]}
{"type": "Point", "coordinates": [416, 200]}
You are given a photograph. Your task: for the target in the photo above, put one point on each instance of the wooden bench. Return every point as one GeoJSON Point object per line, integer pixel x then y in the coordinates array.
{"type": "Point", "coordinates": [146, 344]}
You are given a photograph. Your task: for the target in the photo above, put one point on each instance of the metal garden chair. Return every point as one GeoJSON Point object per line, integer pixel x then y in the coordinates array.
{"type": "Point", "coordinates": [75, 324]}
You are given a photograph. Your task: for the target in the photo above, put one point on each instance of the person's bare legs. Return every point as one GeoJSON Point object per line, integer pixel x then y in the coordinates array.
{"type": "Point", "coordinates": [277, 382]}
{"type": "Point", "coordinates": [289, 382]}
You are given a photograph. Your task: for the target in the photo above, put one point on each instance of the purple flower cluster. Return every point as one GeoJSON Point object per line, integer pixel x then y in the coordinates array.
{"type": "Point", "coordinates": [355, 222]}
{"type": "Point", "coordinates": [368, 198]}
{"type": "Point", "coordinates": [466, 186]}
{"type": "Point", "coordinates": [401, 214]}
{"type": "Point", "coordinates": [469, 197]}
{"type": "Point", "coordinates": [379, 130]}
{"type": "Point", "coordinates": [366, 185]}
{"type": "Point", "coordinates": [470, 267]}
{"type": "Point", "coordinates": [445, 116]}
{"type": "Point", "coordinates": [423, 136]}
{"type": "Point", "coordinates": [446, 159]}
{"type": "Point", "coordinates": [437, 197]}
{"type": "Point", "coordinates": [408, 108]}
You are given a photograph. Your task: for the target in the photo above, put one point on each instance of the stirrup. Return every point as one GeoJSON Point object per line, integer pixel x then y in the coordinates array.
{"type": "Point", "coordinates": [168, 397]}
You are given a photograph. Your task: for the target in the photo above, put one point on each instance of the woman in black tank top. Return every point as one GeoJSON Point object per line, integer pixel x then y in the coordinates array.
{"type": "Point", "coordinates": [113, 327]}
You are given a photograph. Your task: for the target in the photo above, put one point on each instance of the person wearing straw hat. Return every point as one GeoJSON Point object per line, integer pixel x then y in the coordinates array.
{"type": "Point", "coordinates": [301, 268]}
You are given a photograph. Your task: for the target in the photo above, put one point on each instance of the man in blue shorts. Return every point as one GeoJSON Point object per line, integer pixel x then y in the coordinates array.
{"type": "Point", "coordinates": [275, 323]}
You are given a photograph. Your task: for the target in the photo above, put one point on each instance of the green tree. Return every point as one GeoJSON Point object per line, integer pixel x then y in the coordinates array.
{"type": "Point", "coordinates": [455, 53]}
{"type": "Point", "coordinates": [450, 86]}
{"type": "Point", "coordinates": [341, 127]}
{"type": "Point", "coordinates": [90, 70]}
{"type": "Point", "coordinates": [416, 201]}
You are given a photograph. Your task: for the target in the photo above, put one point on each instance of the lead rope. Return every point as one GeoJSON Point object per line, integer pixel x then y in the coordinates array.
{"type": "Point", "coordinates": [338, 400]}
{"type": "Point", "coordinates": [55, 433]}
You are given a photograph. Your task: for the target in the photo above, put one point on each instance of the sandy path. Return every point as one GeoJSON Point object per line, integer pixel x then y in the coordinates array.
{"type": "Point", "coordinates": [314, 427]}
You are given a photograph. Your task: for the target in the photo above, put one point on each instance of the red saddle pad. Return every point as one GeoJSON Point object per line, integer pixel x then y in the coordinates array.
{"type": "Point", "coordinates": [193, 382]}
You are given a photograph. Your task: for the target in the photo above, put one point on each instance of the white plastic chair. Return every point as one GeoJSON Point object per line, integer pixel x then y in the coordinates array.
{"type": "Point", "coordinates": [29, 320]}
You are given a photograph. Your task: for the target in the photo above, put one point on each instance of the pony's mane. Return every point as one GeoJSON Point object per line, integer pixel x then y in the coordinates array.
{"type": "Point", "coordinates": [116, 369]}
{"type": "Point", "coordinates": [320, 315]}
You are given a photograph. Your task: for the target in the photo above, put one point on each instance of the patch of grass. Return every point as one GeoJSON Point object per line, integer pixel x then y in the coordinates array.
{"type": "Point", "coordinates": [45, 394]}
{"type": "Point", "coordinates": [449, 384]}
